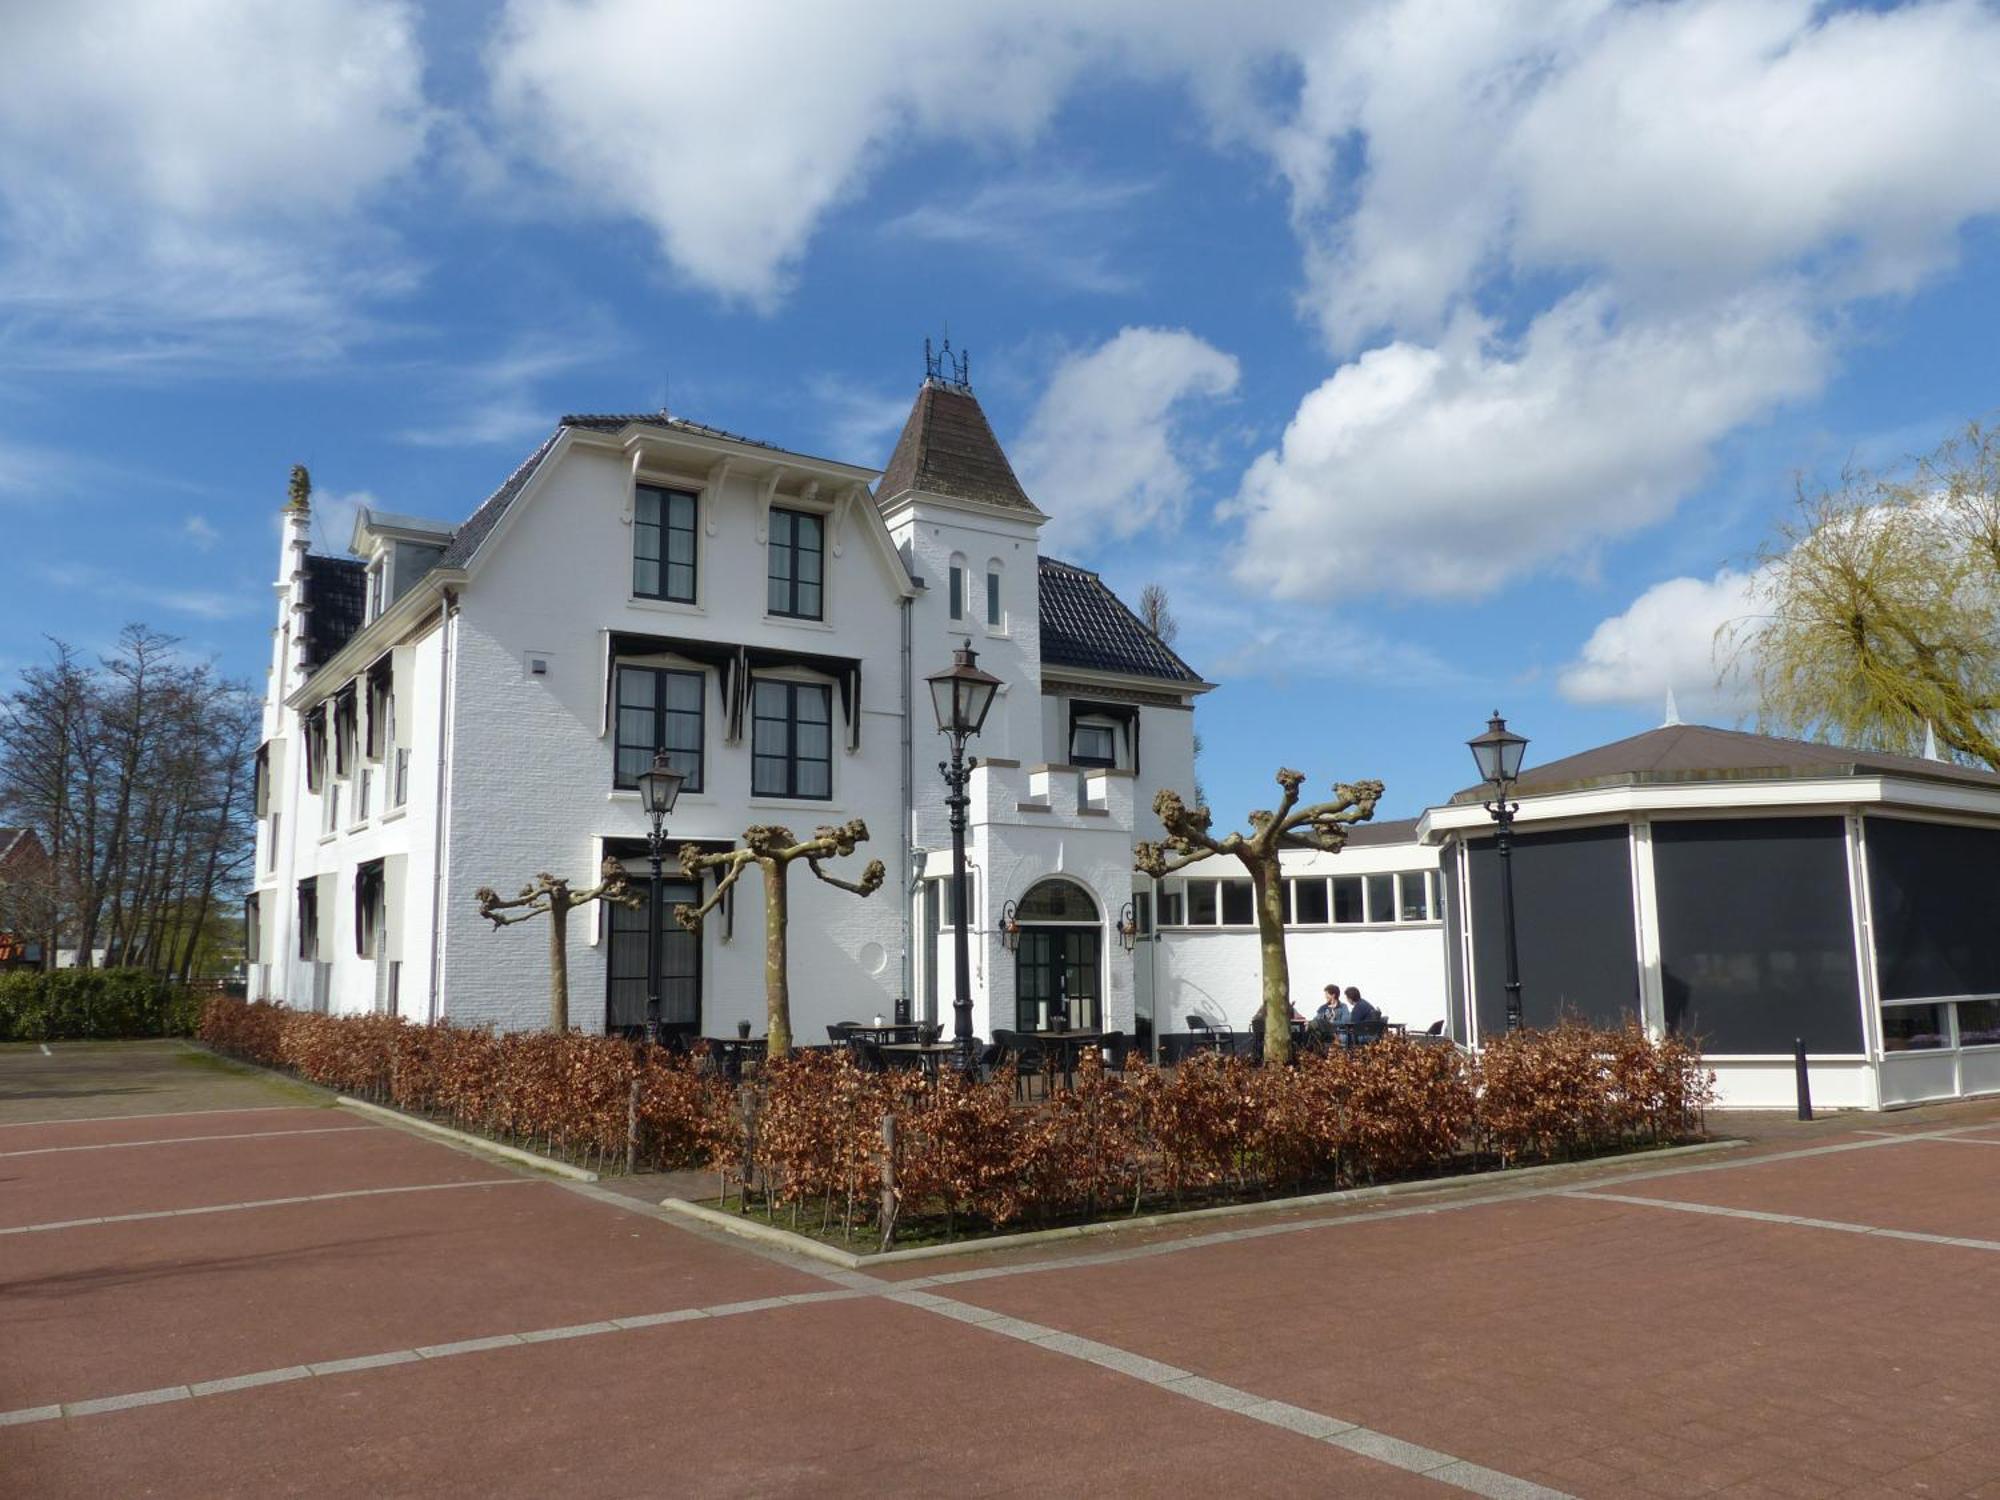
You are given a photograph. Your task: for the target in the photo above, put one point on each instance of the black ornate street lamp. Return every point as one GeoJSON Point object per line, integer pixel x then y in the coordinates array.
{"type": "Point", "coordinates": [961, 696]}
{"type": "Point", "coordinates": [659, 789]}
{"type": "Point", "coordinates": [1498, 754]}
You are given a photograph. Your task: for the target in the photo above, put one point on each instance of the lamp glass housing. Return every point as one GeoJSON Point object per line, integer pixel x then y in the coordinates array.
{"type": "Point", "coordinates": [660, 787]}
{"type": "Point", "coordinates": [1498, 752]}
{"type": "Point", "coordinates": [962, 694]}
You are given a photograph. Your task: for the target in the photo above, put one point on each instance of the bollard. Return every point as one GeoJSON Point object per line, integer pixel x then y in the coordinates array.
{"type": "Point", "coordinates": [1805, 1080]}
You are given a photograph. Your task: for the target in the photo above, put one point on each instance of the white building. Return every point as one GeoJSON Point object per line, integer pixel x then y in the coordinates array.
{"type": "Point", "coordinates": [462, 705]}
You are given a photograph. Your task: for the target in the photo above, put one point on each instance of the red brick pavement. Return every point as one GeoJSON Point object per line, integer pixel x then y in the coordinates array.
{"type": "Point", "coordinates": [839, 1399]}
{"type": "Point", "coordinates": [1604, 1348]}
{"type": "Point", "coordinates": [1595, 1347]}
{"type": "Point", "coordinates": [113, 1308]}
{"type": "Point", "coordinates": [214, 1169]}
{"type": "Point", "coordinates": [1932, 1187]}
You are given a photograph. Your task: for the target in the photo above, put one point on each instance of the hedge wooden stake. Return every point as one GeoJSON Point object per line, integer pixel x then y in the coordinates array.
{"type": "Point", "coordinates": [890, 1201]}
{"type": "Point", "coordinates": [632, 1127]}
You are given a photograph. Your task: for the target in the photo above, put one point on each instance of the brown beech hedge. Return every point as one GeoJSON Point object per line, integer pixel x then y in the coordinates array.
{"type": "Point", "coordinates": [809, 1135]}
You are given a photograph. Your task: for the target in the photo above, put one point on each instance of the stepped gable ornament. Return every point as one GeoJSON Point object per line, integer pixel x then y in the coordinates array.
{"type": "Point", "coordinates": [946, 368]}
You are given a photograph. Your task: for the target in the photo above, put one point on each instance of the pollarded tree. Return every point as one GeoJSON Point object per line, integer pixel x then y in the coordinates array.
{"type": "Point", "coordinates": [774, 850]}
{"type": "Point", "coordinates": [554, 899]}
{"type": "Point", "coordinates": [1319, 825]}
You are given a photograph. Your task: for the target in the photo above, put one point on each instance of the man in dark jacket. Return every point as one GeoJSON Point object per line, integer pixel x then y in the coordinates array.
{"type": "Point", "coordinates": [1362, 1015]}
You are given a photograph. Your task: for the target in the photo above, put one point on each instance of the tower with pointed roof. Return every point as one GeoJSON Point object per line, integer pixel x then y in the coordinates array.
{"type": "Point", "coordinates": [967, 531]}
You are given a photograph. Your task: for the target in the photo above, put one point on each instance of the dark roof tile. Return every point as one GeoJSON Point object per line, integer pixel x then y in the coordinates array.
{"type": "Point", "coordinates": [336, 599]}
{"type": "Point", "coordinates": [948, 448]}
{"type": "Point", "coordinates": [1085, 625]}
{"type": "Point", "coordinates": [1698, 752]}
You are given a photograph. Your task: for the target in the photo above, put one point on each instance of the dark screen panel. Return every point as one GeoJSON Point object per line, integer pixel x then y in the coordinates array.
{"type": "Point", "coordinates": [1454, 951]}
{"type": "Point", "coordinates": [1756, 934]}
{"type": "Point", "coordinates": [1935, 890]}
{"type": "Point", "coordinates": [1573, 917]}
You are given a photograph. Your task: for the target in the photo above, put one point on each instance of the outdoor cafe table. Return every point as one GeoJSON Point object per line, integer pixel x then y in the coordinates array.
{"type": "Point", "coordinates": [888, 1032]}
{"type": "Point", "coordinates": [731, 1052]}
{"type": "Point", "coordinates": [1068, 1045]}
{"type": "Point", "coordinates": [929, 1055]}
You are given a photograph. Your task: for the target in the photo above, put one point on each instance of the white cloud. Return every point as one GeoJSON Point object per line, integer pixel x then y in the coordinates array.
{"type": "Point", "coordinates": [200, 533]}
{"type": "Point", "coordinates": [201, 604]}
{"type": "Point", "coordinates": [860, 424]}
{"type": "Point", "coordinates": [1674, 150]}
{"type": "Point", "coordinates": [731, 130]}
{"type": "Point", "coordinates": [1678, 636]}
{"type": "Point", "coordinates": [1054, 227]}
{"type": "Point", "coordinates": [180, 178]}
{"type": "Point", "coordinates": [1104, 451]}
{"type": "Point", "coordinates": [1448, 470]}
{"type": "Point", "coordinates": [333, 516]}
{"type": "Point", "coordinates": [498, 399]}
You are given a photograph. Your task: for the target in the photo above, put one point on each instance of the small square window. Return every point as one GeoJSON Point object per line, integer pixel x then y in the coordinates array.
{"type": "Point", "coordinates": [1202, 903]}
{"type": "Point", "coordinates": [1381, 898]}
{"type": "Point", "coordinates": [1347, 909]}
{"type": "Point", "coordinates": [1239, 904]}
{"type": "Point", "coordinates": [1309, 908]}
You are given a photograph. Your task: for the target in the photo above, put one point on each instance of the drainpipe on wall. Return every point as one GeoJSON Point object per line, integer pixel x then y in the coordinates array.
{"type": "Point", "coordinates": [909, 993]}
{"type": "Point", "coordinates": [447, 630]}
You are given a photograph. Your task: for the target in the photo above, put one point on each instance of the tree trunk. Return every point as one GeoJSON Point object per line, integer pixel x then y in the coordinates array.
{"type": "Point", "coordinates": [777, 988]}
{"type": "Point", "coordinates": [558, 966]}
{"type": "Point", "coordinates": [1270, 891]}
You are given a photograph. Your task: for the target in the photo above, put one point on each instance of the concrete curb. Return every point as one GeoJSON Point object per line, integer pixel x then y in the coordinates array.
{"type": "Point", "coordinates": [770, 1234]}
{"type": "Point", "coordinates": [468, 1139]}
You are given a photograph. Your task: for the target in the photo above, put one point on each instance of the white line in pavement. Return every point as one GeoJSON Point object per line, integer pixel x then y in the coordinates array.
{"type": "Point", "coordinates": [323, 1368]}
{"type": "Point", "coordinates": [1397, 1453]}
{"type": "Point", "coordinates": [1795, 1220]}
{"type": "Point", "coordinates": [164, 1114]}
{"type": "Point", "coordinates": [189, 1140]}
{"type": "Point", "coordinates": [224, 1208]}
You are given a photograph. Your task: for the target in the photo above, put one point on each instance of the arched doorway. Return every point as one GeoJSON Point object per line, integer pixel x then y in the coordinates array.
{"type": "Point", "coordinates": [1059, 962]}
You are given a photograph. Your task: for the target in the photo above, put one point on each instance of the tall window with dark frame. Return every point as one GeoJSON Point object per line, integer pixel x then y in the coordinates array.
{"type": "Point", "coordinates": [659, 708]}
{"type": "Point", "coordinates": [309, 919]}
{"type": "Point", "coordinates": [797, 558]}
{"type": "Point", "coordinates": [663, 544]}
{"type": "Point", "coordinates": [791, 742]}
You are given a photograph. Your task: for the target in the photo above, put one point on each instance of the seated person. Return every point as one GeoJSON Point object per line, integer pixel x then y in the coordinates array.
{"type": "Point", "coordinates": [1331, 1016]}
{"type": "Point", "coordinates": [1361, 1012]}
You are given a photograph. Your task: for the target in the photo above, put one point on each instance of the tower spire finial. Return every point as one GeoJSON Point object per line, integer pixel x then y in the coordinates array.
{"type": "Point", "coordinates": [299, 501]}
{"type": "Point", "coordinates": [944, 366]}
{"type": "Point", "coordinates": [1673, 714]}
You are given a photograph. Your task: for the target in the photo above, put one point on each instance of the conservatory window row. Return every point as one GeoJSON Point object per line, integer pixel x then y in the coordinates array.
{"type": "Point", "coordinates": [1310, 901]}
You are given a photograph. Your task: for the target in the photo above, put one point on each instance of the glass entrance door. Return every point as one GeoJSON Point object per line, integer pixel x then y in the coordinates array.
{"type": "Point", "coordinates": [1057, 963]}
{"type": "Point", "coordinates": [680, 963]}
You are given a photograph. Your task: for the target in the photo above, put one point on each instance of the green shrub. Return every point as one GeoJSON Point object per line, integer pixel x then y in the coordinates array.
{"type": "Point", "coordinates": [83, 1004]}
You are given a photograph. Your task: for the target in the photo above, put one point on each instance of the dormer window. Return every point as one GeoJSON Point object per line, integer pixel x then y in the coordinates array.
{"type": "Point", "coordinates": [663, 544]}
{"type": "Point", "coordinates": [1094, 742]}
{"type": "Point", "coordinates": [797, 563]}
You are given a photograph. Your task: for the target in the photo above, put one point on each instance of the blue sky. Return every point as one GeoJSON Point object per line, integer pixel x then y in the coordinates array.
{"type": "Point", "coordinates": [1435, 356]}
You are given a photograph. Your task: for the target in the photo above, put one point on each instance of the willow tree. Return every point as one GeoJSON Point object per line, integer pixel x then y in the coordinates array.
{"type": "Point", "coordinates": [1875, 611]}
{"type": "Point", "coordinates": [774, 850]}
{"type": "Point", "coordinates": [553, 898]}
{"type": "Point", "coordinates": [1319, 825]}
